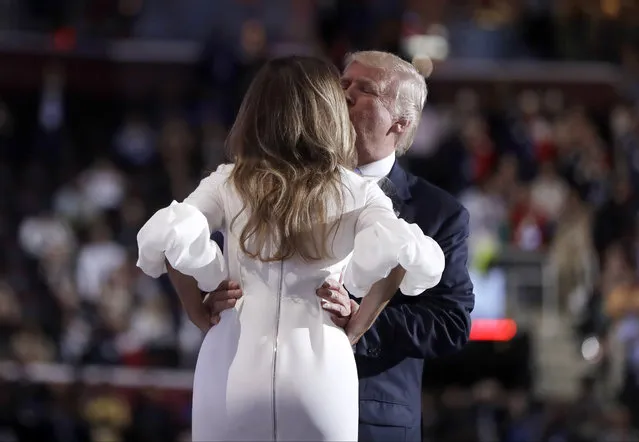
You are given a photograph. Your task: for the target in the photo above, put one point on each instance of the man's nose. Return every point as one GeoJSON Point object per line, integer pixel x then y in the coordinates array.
{"type": "Point", "coordinates": [349, 97]}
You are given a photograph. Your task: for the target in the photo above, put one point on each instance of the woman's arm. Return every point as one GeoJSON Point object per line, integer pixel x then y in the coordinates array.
{"type": "Point", "coordinates": [386, 245]}
{"type": "Point", "coordinates": [373, 303]}
{"type": "Point", "coordinates": [383, 241]}
{"type": "Point", "coordinates": [190, 297]}
{"type": "Point", "coordinates": [177, 240]}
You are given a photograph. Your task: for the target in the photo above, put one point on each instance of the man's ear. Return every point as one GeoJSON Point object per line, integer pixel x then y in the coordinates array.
{"type": "Point", "coordinates": [400, 126]}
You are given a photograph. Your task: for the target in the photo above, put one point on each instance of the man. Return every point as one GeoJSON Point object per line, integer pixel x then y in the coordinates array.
{"type": "Point", "coordinates": [386, 96]}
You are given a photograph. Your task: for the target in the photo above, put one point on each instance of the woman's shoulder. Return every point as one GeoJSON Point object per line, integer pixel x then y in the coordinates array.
{"type": "Point", "coordinates": [223, 169]}
{"type": "Point", "coordinates": [354, 189]}
{"type": "Point", "coordinates": [217, 178]}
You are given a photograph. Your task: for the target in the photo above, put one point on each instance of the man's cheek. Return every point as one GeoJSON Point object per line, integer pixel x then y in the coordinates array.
{"type": "Point", "coordinates": [368, 120]}
{"type": "Point", "coordinates": [357, 121]}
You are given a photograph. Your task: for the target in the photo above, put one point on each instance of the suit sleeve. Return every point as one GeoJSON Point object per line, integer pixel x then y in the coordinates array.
{"type": "Point", "coordinates": [437, 322]}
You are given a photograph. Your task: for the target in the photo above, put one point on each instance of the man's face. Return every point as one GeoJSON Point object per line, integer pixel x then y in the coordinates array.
{"type": "Point", "coordinates": [370, 95]}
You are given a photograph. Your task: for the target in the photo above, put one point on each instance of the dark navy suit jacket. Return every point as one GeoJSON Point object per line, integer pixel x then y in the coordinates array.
{"type": "Point", "coordinates": [390, 356]}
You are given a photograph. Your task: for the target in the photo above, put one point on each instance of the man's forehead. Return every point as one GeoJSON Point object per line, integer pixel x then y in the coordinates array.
{"type": "Point", "coordinates": [357, 71]}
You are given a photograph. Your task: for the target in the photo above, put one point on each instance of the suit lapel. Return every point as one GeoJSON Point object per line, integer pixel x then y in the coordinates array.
{"type": "Point", "coordinates": [399, 178]}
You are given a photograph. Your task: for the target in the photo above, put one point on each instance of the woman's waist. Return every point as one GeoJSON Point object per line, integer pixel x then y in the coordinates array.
{"type": "Point", "coordinates": [293, 301]}
{"type": "Point", "coordinates": [276, 316]}
{"type": "Point", "coordinates": [284, 281]}
{"type": "Point", "coordinates": [263, 338]}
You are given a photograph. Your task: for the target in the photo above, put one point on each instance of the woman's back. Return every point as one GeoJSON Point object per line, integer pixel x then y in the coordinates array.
{"type": "Point", "coordinates": [277, 342]}
{"type": "Point", "coordinates": [336, 236]}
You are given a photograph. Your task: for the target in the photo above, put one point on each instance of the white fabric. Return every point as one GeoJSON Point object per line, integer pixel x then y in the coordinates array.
{"type": "Point", "coordinates": [276, 367]}
{"type": "Point", "coordinates": [180, 233]}
{"type": "Point", "coordinates": [379, 168]}
{"type": "Point", "coordinates": [383, 241]}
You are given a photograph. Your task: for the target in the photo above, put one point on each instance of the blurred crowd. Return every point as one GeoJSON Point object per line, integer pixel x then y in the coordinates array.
{"type": "Point", "coordinates": [484, 412]}
{"type": "Point", "coordinates": [541, 176]}
{"type": "Point", "coordinates": [81, 413]}
{"type": "Point", "coordinates": [488, 413]}
{"type": "Point", "coordinates": [497, 29]}
{"type": "Point", "coordinates": [71, 292]}
{"type": "Point", "coordinates": [559, 179]}
{"type": "Point", "coordinates": [80, 175]}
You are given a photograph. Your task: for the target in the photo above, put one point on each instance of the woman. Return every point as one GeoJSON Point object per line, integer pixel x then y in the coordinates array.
{"type": "Point", "coordinates": [293, 214]}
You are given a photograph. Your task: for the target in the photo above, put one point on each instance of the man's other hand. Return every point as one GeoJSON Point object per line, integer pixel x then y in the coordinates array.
{"type": "Point", "coordinates": [224, 297]}
{"type": "Point", "coordinates": [336, 301]}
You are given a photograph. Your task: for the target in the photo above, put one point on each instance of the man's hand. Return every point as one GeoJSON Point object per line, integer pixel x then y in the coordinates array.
{"type": "Point", "coordinates": [336, 301]}
{"type": "Point", "coordinates": [224, 297]}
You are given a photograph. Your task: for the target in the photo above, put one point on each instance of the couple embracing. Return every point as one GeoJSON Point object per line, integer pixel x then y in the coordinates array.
{"type": "Point", "coordinates": [305, 225]}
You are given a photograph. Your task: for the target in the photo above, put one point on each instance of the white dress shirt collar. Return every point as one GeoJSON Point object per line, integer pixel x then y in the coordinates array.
{"type": "Point", "coordinates": [379, 168]}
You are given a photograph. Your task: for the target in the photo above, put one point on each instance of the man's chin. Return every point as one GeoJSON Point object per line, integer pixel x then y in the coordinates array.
{"type": "Point", "coordinates": [363, 155]}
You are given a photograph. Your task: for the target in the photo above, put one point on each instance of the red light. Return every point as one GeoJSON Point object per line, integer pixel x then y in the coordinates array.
{"type": "Point", "coordinates": [64, 39]}
{"type": "Point", "coordinates": [493, 330]}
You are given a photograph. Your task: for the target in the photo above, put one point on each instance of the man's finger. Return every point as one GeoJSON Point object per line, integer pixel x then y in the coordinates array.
{"type": "Point", "coordinates": [336, 288]}
{"type": "Point", "coordinates": [339, 296]}
{"type": "Point", "coordinates": [325, 293]}
{"type": "Point", "coordinates": [332, 284]}
{"type": "Point", "coordinates": [215, 319]}
{"type": "Point", "coordinates": [339, 321]}
{"type": "Point", "coordinates": [332, 295]}
{"type": "Point", "coordinates": [212, 297]}
{"type": "Point", "coordinates": [227, 285]}
{"type": "Point", "coordinates": [218, 307]}
{"type": "Point", "coordinates": [336, 309]}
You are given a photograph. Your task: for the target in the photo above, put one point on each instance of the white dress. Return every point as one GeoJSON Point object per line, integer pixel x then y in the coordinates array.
{"type": "Point", "coordinates": [276, 367]}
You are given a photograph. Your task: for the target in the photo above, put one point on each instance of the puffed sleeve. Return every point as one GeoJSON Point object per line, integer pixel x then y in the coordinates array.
{"type": "Point", "coordinates": [207, 197]}
{"type": "Point", "coordinates": [181, 234]}
{"type": "Point", "coordinates": [382, 241]}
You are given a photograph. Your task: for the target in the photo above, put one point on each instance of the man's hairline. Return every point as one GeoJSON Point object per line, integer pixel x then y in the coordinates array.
{"type": "Point", "coordinates": [385, 71]}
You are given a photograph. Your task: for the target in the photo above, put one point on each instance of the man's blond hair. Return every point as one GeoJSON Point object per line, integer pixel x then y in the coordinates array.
{"type": "Point", "coordinates": [411, 89]}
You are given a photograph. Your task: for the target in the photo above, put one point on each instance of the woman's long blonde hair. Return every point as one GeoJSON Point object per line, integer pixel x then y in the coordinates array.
{"type": "Point", "coordinates": [291, 136]}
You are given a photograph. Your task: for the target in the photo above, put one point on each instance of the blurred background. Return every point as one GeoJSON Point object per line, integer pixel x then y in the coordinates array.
{"type": "Point", "coordinates": [111, 108]}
